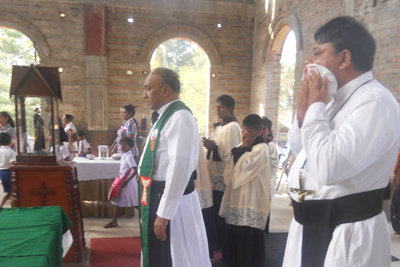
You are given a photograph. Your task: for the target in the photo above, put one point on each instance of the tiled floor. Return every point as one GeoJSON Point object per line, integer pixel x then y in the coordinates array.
{"type": "Point", "coordinates": [281, 217]}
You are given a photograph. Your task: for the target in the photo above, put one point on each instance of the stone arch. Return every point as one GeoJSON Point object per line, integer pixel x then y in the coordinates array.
{"type": "Point", "coordinates": [280, 28]}
{"type": "Point", "coordinates": [24, 26]}
{"type": "Point", "coordinates": [180, 31]}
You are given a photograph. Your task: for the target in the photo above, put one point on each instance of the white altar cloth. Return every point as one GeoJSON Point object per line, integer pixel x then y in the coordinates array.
{"type": "Point", "coordinates": [96, 169]}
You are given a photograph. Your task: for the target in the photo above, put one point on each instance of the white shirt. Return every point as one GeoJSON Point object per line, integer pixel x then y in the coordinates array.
{"type": "Point", "coordinates": [7, 156]}
{"type": "Point", "coordinates": [83, 146]}
{"type": "Point", "coordinates": [69, 126]}
{"type": "Point", "coordinates": [176, 158]}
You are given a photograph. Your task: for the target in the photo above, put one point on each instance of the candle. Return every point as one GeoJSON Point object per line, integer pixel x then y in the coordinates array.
{"type": "Point", "coordinates": [143, 124]}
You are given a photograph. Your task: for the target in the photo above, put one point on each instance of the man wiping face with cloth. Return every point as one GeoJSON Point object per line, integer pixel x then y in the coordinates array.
{"type": "Point", "coordinates": [346, 149]}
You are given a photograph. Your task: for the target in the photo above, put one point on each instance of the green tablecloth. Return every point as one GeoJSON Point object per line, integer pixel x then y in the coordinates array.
{"type": "Point", "coordinates": [32, 236]}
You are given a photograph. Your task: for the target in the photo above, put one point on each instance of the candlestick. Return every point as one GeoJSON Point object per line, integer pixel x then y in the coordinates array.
{"type": "Point", "coordinates": [143, 124]}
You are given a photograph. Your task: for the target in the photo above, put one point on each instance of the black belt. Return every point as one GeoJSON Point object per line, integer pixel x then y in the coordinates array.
{"type": "Point", "coordinates": [160, 185]}
{"type": "Point", "coordinates": [320, 218]}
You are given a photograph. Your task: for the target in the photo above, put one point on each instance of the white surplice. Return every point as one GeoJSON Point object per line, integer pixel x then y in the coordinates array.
{"type": "Point", "coordinates": [176, 158]}
{"type": "Point", "coordinates": [203, 182]}
{"type": "Point", "coordinates": [246, 200]}
{"type": "Point", "coordinates": [355, 152]}
{"type": "Point", "coordinates": [226, 138]}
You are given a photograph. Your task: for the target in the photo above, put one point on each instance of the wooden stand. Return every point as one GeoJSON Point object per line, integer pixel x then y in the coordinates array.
{"type": "Point", "coordinates": [51, 185]}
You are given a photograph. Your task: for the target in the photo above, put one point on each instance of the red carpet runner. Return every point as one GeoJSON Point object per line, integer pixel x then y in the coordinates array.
{"type": "Point", "coordinates": [119, 251]}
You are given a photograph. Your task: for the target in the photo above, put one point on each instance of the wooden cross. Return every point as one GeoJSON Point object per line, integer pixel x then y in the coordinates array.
{"type": "Point", "coordinates": [300, 192]}
{"type": "Point", "coordinates": [42, 193]}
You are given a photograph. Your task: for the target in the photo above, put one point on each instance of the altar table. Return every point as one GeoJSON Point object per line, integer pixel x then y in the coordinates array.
{"type": "Point", "coordinates": [95, 178]}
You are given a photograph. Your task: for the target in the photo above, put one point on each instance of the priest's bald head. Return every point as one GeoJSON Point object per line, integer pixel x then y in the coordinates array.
{"type": "Point", "coordinates": [161, 87]}
{"type": "Point", "coordinates": [345, 47]}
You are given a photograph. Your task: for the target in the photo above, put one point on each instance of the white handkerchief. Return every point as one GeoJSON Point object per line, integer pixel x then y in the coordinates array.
{"type": "Point", "coordinates": [324, 72]}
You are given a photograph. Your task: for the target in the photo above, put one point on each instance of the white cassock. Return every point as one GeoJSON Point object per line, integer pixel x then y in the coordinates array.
{"type": "Point", "coordinates": [274, 161]}
{"type": "Point", "coordinates": [176, 158]}
{"type": "Point", "coordinates": [355, 152]}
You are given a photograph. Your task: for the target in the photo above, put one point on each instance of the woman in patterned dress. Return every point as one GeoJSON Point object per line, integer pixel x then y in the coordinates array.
{"type": "Point", "coordinates": [127, 129]}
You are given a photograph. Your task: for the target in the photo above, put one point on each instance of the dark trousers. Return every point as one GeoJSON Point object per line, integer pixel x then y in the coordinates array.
{"type": "Point", "coordinates": [244, 246]}
{"type": "Point", "coordinates": [159, 251]}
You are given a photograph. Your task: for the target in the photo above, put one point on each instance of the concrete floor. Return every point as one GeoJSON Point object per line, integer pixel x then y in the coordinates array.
{"type": "Point", "coordinates": [281, 217]}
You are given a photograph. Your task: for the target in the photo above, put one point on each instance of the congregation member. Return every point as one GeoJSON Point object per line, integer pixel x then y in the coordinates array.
{"type": "Point", "coordinates": [226, 136]}
{"type": "Point", "coordinates": [84, 147]}
{"type": "Point", "coordinates": [171, 223]}
{"type": "Point", "coordinates": [273, 160]}
{"type": "Point", "coordinates": [7, 126]}
{"type": "Point", "coordinates": [70, 130]}
{"type": "Point", "coordinates": [7, 157]}
{"type": "Point", "coordinates": [128, 196]}
{"type": "Point", "coordinates": [346, 151]}
{"type": "Point", "coordinates": [127, 129]}
{"type": "Point", "coordinates": [246, 202]}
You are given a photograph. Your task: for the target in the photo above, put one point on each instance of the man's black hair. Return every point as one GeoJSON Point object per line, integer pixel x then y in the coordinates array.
{"type": "Point", "coordinates": [266, 122]}
{"type": "Point", "coordinates": [128, 141]}
{"type": "Point", "coordinates": [81, 133]}
{"type": "Point", "coordinates": [253, 121]}
{"type": "Point", "coordinates": [170, 78]}
{"type": "Point", "coordinates": [5, 139]}
{"type": "Point", "coordinates": [347, 33]}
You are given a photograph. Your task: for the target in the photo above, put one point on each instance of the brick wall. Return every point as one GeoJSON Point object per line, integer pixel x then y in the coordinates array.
{"type": "Point", "coordinates": [232, 43]}
{"type": "Point", "coordinates": [244, 53]}
{"type": "Point", "coordinates": [230, 48]}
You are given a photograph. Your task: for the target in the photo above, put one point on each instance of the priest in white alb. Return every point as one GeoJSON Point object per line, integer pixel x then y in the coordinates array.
{"type": "Point", "coordinates": [171, 223]}
{"type": "Point", "coordinates": [346, 150]}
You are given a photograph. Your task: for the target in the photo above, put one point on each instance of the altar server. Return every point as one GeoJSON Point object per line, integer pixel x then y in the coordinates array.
{"type": "Point", "coordinates": [171, 224]}
{"type": "Point", "coordinates": [227, 135]}
{"type": "Point", "coordinates": [246, 202]}
{"type": "Point", "coordinates": [346, 151]}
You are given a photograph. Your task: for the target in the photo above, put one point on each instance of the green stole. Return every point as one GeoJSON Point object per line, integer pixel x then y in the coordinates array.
{"type": "Point", "coordinates": [146, 175]}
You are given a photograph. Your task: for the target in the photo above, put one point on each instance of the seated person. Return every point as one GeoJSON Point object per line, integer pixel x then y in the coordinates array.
{"type": "Point", "coordinates": [246, 202]}
{"type": "Point", "coordinates": [84, 147]}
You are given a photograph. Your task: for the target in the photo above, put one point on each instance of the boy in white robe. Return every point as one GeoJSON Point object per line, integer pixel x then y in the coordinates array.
{"type": "Point", "coordinates": [246, 202]}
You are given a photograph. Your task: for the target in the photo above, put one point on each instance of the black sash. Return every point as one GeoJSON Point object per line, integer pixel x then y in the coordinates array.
{"type": "Point", "coordinates": [320, 218]}
{"type": "Point", "coordinates": [160, 251]}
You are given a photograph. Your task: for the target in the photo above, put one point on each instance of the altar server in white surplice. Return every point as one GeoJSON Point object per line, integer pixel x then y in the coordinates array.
{"type": "Point", "coordinates": [172, 227]}
{"type": "Point", "coordinates": [226, 136]}
{"type": "Point", "coordinates": [246, 202]}
{"type": "Point", "coordinates": [346, 150]}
